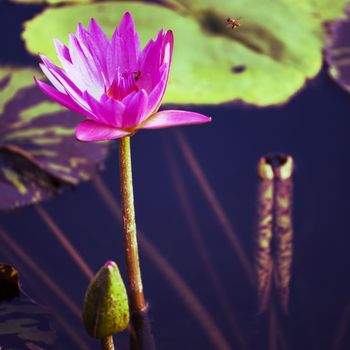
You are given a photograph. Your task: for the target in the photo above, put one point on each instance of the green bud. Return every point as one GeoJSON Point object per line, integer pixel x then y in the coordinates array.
{"type": "Point", "coordinates": [106, 307]}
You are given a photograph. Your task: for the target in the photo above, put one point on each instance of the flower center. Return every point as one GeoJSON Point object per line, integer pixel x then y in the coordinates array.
{"type": "Point", "coordinates": [123, 84]}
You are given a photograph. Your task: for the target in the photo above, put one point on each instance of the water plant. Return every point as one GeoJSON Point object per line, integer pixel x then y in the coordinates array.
{"type": "Point", "coordinates": [106, 308]}
{"type": "Point", "coordinates": [337, 50]}
{"type": "Point", "coordinates": [39, 156]}
{"type": "Point", "coordinates": [280, 41]}
{"type": "Point", "coordinates": [119, 88]}
{"type": "Point", "coordinates": [25, 108]}
{"type": "Point", "coordinates": [275, 229]}
{"type": "Point", "coordinates": [277, 49]}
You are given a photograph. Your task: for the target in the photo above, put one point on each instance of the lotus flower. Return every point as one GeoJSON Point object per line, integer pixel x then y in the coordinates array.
{"type": "Point", "coordinates": [114, 83]}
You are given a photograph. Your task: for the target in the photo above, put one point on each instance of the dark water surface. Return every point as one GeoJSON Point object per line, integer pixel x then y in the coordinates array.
{"type": "Point", "coordinates": [313, 128]}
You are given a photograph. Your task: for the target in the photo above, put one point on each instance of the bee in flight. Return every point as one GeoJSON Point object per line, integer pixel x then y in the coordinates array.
{"type": "Point", "coordinates": [233, 22]}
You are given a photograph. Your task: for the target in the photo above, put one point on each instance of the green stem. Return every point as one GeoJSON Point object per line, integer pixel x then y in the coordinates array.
{"type": "Point", "coordinates": [130, 235]}
{"type": "Point", "coordinates": [107, 343]}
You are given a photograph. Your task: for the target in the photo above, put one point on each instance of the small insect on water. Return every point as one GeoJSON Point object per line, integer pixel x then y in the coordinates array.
{"type": "Point", "coordinates": [233, 22]}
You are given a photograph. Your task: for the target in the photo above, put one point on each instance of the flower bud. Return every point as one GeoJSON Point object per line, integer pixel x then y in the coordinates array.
{"type": "Point", "coordinates": [106, 308]}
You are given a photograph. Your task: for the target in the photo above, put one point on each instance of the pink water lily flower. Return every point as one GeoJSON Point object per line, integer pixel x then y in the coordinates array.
{"type": "Point", "coordinates": [114, 83]}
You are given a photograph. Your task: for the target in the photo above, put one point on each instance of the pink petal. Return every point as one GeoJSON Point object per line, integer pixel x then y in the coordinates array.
{"type": "Point", "coordinates": [98, 35]}
{"type": "Point", "coordinates": [61, 98]}
{"type": "Point", "coordinates": [91, 131]}
{"type": "Point", "coordinates": [149, 63]}
{"type": "Point", "coordinates": [85, 65]}
{"type": "Point", "coordinates": [167, 54]}
{"type": "Point", "coordinates": [168, 46]}
{"type": "Point", "coordinates": [156, 96]}
{"type": "Point", "coordinates": [125, 47]}
{"type": "Point", "coordinates": [154, 61]}
{"type": "Point", "coordinates": [70, 70]}
{"type": "Point", "coordinates": [55, 73]}
{"type": "Point", "coordinates": [96, 43]}
{"type": "Point", "coordinates": [165, 119]}
{"type": "Point", "coordinates": [62, 51]}
{"type": "Point", "coordinates": [52, 79]}
{"type": "Point", "coordinates": [135, 109]}
{"type": "Point", "coordinates": [107, 111]}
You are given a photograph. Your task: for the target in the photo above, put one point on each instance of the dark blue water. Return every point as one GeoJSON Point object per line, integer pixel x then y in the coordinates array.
{"type": "Point", "coordinates": [313, 128]}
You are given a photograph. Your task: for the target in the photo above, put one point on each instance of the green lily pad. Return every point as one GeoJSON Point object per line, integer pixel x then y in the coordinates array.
{"type": "Point", "coordinates": [23, 323]}
{"type": "Point", "coordinates": [263, 62]}
{"type": "Point", "coordinates": [323, 10]}
{"type": "Point", "coordinates": [38, 149]}
{"type": "Point", "coordinates": [52, 2]}
{"type": "Point", "coordinates": [10, 83]}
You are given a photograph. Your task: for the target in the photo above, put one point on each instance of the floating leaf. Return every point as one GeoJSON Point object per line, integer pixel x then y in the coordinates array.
{"type": "Point", "coordinates": [55, 2]}
{"type": "Point", "coordinates": [23, 323]}
{"type": "Point", "coordinates": [323, 10]}
{"type": "Point", "coordinates": [264, 62]}
{"type": "Point", "coordinates": [52, 2]}
{"type": "Point", "coordinates": [284, 233]}
{"type": "Point", "coordinates": [337, 51]}
{"type": "Point", "coordinates": [275, 229]}
{"type": "Point", "coordinates": [38, 149]}
{"type": "Point", "coordinates": [106, 308]}
{"type": "Point", "coordinates": [263, 257]}
{"type": "Point", "coordinates": [10, 83]}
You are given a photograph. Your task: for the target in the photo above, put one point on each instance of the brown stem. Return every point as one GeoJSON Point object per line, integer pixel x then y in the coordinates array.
{"type": "Point", "coordinates": [141, 337]}
{"type": "Point", "coordinates": [107, 343]}
{"type": "Point", "coordinates": [129, 227]}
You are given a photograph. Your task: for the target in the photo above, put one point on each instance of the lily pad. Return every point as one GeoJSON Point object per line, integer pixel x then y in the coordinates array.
{"type": "Point", "coordinates": [322, 10]}
{"type": "Point", "coordinates": [52, 2]}
{"type": "Point", "coordinates": [38, 149]}
{"type": "Point", "coordinates": [263, 62]}
{"type": "Point", "coordinates": [23, 323]}
{"type": "Point", "coordinates": [337, 51]}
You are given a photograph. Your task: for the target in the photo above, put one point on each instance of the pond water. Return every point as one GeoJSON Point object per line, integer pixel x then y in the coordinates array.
{"type": "Point", "coordinates": [313, 127]}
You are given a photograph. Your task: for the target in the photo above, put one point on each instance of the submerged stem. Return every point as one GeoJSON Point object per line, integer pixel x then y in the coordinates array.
{"type": "Point", "coordinates": [129, 227]}
{"type": "Point", "coordinates": [107, 343]}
